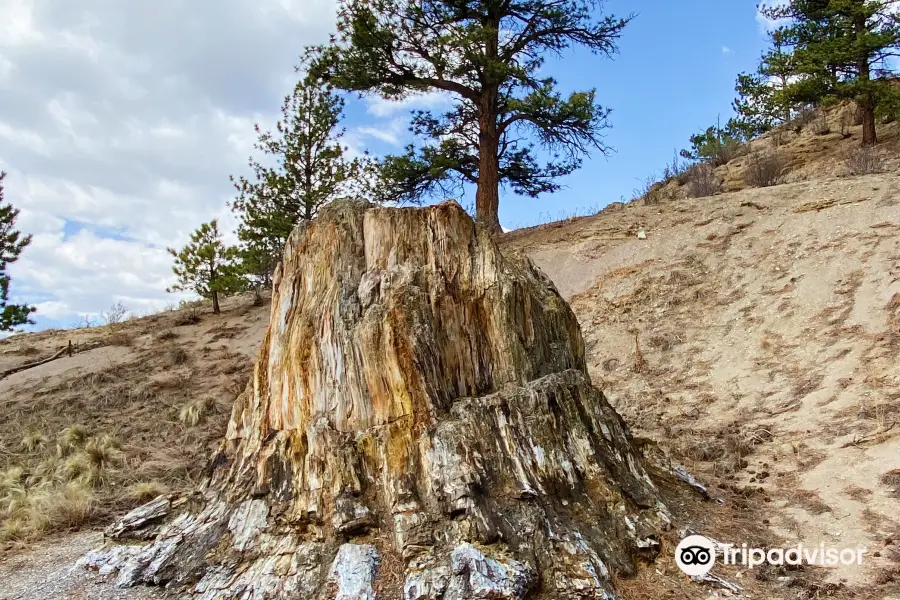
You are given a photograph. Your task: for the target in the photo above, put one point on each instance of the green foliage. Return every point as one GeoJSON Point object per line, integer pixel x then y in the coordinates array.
{"type": "Point", "coordinates": [206, 266]}
{"type": "Point", "coordinates": [716, 145]}
{"type": "Point", "coordinates": [763, 101]}
{"type": "Point", "coordinates": [305, 168]}
{"type": "Point", "coordinates": [754, 106]}
{"type": "Point", "coordinates": [840, 50]}
{"type": "Point", "coordinates": [12, 242]}
{"type": "Point", "coordinates": [887, 108]}
{"type": "Point", "coordinates": [487, 56]}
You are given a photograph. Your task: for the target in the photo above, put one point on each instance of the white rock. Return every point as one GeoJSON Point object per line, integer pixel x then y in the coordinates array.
{"type": "Point", "coordinates": [353, 570]}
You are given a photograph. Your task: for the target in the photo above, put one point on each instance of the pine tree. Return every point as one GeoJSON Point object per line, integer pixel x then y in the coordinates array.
{"type": "Point", "coordinates": [840, 51]}
{"type": "Point", "coordinates": [12, 242]}
{"type": "Point", "coordinates": [488, 55]}
{"type": "Point", "coordinates": [206, 266]}
{"type": "Point", "coordinates": [762, 102]}
{"type": "Point", "coordinates": [304, 169]}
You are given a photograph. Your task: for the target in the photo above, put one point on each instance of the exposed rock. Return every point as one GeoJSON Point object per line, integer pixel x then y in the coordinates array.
{"type": "Point", "coordinates": [354, 572]}
{"type": "Point", "coordinates": [419, 396]}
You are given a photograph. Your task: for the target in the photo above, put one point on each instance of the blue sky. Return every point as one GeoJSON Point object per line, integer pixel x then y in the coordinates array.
{"type": "Point", "coordinates": [122, 121]}
{"type": "Point", "coordinates": [675, 73]}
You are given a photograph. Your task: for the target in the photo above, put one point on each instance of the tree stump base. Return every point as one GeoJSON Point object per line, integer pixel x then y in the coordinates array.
{"type": "Point", "coordinates": [419, 425]}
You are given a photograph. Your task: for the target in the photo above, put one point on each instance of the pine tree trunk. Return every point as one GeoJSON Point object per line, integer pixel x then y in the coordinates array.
{"type": "Point", "coordinates": [420, 422]}
{"type": "Point", "coordinates": [867, 101]}
{"type": "Point", "coordinates": [215, 301]}
{"type": "Point", "coordinates": [487, 196]}
{"type": "Point", "coordinates": [867, 111]}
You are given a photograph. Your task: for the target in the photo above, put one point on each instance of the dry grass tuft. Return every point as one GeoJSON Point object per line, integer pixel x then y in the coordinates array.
{"type": "Point", "coordinates": [34, 441]}
{"type": "Point", "coordinates": [144, 491]}
{"type": "Point", "coordinates": [67, 506]}
{"type": "Point", "coordinates": [70, 439]}
{"type": "Point", "coordinates": [191, 414]}
{"type": "Point", "coordinates": [176, 355]}
{"type": "Point", "coordinates": [165, 335]}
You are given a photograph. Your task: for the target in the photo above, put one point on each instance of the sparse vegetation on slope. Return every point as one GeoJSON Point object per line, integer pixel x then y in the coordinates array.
{"type": "Point", "coordinates": [754, 337]}
{"type": "Point", "coordinates": [88, 436]}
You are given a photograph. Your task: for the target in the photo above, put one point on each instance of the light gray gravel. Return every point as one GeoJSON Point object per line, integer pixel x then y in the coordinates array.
{"type": "Point", "coordinates": [46, 571]}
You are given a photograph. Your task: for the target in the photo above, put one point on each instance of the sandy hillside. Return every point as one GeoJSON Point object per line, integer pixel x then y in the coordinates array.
{"type": "Point", "coordinates": [756, 337]}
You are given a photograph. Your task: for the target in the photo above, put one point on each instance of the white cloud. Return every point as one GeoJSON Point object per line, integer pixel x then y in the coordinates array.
{"type": "Point", "coordinates": [390, 132]}
{"type": "Point", "coordinates": [726, 50]}
{"type": "Point", "coordinates": [121, 122]}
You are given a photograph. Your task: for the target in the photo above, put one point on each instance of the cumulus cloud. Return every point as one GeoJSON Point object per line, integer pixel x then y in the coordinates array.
{"type": "Point", "coordinates": [121, 122]}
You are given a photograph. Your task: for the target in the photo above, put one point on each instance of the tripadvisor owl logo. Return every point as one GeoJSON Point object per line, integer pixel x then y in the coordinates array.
{"type": "Point", "coordinates": [695, 555]}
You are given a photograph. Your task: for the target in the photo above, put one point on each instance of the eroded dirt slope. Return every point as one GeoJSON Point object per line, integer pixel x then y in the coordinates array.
{"type": "Point", "coordinates": [756, 337]}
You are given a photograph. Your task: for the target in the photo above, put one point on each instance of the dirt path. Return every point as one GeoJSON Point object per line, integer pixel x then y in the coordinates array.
{"type": "Point", "coordinates": [47, 571]}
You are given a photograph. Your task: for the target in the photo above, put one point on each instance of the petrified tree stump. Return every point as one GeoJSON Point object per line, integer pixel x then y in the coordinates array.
{"type": "Point", "coordinates": [419, 425]}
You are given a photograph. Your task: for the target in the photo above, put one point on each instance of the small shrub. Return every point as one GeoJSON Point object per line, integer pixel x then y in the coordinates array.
{"type": "Point", "coordinates": [83, 322]}
{"type": "Point", "coordinates": [777, 137]}
{"type": "Point", "coordinates": [676, 169]}
{"type": "Point", "coordinates": [847, 118]}
{"type": "Point", "coordinates": [863, 161]}
{"type": "Point", "coordinates": [176, 355]}
{"type": "Point", "coordinates": [144, 491]}
{"type": "Point", "coordinates": [190, 315]}
{"type": "Point", "coordinates": [165, 334]}
{"type": "Point", "coordinates": [820, 125]}
{"type": "Point", "coordinates": [764, 170]}
{"type": "Point", "coordinates": [116, 314]}
{"type": "Point", "coordinates": [649, 192]}
{"type": "Point", "coordinates": [701, 181]}
{"type": "Point", "coordinates": [803, 117]}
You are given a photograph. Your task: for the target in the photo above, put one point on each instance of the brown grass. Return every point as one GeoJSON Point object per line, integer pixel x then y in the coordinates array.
{"type": "Point", "coordinates": [863, 161]}
{"type": "Point", "coordinates": [764, 170]}
{"type": "Point", "coordinates": [83, 445]}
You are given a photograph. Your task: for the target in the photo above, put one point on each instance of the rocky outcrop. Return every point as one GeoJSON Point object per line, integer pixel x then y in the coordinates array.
{"type": "Point", "coordinates": [419, 425]}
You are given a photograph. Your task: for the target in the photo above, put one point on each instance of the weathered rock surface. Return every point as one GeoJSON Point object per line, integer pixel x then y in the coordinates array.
{"type": "Point", "coordinates": [419, 425]}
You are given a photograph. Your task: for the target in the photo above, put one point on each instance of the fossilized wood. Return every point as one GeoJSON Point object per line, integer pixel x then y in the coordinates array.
{"type": "Point", "coordinates": [420, 403]}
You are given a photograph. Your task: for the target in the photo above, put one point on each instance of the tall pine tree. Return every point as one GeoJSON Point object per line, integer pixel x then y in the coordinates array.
{"type": "Point", "coordinates": [488, 55]}
{"type": "Point", "coordinates": [206, 266]}
{"type": "Point", "coordinates": [762, 101]}
{"type": "Point", "coordinates": [841, 50]}
{"type": "Point", "coordinates": [302, 168]}
{"type": "Point", "coordinates": [12, 242]}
